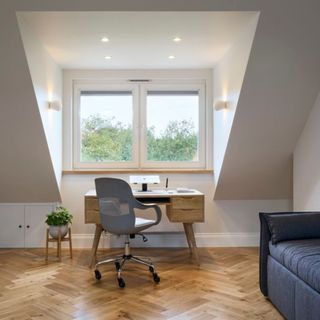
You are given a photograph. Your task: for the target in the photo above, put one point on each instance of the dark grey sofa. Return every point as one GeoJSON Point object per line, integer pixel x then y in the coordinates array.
{"type": "Point", "coordinates": [290, 263]}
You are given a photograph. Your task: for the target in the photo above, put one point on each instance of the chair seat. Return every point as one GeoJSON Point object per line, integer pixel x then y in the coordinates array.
{"type": "Point", "coordinates": [140, 222]}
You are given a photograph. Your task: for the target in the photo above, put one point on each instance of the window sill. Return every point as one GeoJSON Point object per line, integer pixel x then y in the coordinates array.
{"type": "Point", "coordinates": [139, 171]}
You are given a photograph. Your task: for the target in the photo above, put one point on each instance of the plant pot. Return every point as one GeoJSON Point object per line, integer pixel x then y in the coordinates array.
{"type": "Point", "coordinates": [54, 231]}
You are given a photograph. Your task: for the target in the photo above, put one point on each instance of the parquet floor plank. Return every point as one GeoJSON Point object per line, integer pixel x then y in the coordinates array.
{"type": "Point", "coordinates": [224, 287]}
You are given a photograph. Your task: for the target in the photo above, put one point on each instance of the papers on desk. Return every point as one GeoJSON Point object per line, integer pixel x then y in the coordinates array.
{"type": "Point", "coordinates": [184, 190]}
{"type": "Point", "coordinates": [164, 192]}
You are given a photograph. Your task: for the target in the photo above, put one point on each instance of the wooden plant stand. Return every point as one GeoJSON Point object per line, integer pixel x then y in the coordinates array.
{"type": "Point", "coordinates": [58, 241]}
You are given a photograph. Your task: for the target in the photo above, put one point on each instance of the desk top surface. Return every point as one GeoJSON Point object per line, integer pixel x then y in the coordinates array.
{"type": "Point", "coordinates": [161, 193]}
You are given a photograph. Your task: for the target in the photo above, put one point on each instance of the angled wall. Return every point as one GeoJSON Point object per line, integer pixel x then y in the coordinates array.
{"type": "Point", "coordinates": [26, 169]}
{"type": "Point", "coordinates": [281, 83]}
{"type": "Point", "coordinates": [46, 77]}
{"type": "Point", "coordinates": [306, 173]}
{"type": "Point", "coordinates": [228, 76]}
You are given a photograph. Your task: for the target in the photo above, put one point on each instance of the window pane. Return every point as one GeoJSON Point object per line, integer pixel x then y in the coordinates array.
{"type": "Point", "coordinates": [106, 126]}
{"type": "Point", "coordinates": [172, 126]}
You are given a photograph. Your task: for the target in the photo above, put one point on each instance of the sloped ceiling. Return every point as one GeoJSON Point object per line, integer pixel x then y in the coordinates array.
{"type": "Point", "coordinates": [279, 88]}
{"type": "Point", "coordinates": [26, 171]}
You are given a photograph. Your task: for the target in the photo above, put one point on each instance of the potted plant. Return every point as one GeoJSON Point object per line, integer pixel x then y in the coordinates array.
{"type": "Point", "coordinates": [58, 221]}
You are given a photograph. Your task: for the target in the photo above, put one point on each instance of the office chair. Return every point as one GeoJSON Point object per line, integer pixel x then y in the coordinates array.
{"type": "Point", "coordinates": [116, 206]}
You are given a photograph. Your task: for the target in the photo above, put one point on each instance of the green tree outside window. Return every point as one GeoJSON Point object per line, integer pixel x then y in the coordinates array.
{"type": "Point", "coordinates": [104, 139]}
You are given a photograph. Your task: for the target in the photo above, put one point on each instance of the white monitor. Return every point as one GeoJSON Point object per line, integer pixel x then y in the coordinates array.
{"type": "Point", "coordinates": [144, 180]}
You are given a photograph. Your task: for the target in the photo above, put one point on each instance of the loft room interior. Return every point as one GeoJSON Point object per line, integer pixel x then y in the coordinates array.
{"type": "Point", "coordinates": [185, 134]}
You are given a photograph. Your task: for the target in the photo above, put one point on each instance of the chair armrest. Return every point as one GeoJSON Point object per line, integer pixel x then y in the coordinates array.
{"type": "Point", "coordinates": [143, 206]}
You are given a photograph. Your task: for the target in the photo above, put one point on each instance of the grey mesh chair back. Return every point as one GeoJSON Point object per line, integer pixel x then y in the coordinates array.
{"type": "Point", "coordinates": [116, 203]}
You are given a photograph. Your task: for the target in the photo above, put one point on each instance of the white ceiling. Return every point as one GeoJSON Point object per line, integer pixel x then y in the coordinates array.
{"type": "Point", "coordinates": [137, 39]}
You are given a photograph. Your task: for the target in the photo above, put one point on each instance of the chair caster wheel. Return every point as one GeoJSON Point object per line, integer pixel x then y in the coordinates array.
{"type": "Point", "coordinates": [151, 269]}
{"type": "Point", "coordinates": [121, 283]}
{"type": "Point", "coordinates": [97, 274]}
{"type": "Point", "coordinates": [156, 278]}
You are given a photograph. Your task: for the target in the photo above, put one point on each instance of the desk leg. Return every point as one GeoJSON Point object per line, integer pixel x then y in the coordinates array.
{"type": "Point", "coordinates": [188, 240]}
{"type": "Point", "coordinates": [191, 240]}
{"type": "Point", "coordinates": [95, 244]}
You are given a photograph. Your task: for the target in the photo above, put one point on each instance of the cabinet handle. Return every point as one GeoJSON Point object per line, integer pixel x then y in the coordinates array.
{"type": "Point", "coordinates": [20, 226]}
{"type": "Point", "coordinates": [28, 226]}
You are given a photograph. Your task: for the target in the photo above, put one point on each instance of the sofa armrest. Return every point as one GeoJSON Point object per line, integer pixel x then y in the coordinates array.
{"type": "Point", "coordinates": [265, 237]}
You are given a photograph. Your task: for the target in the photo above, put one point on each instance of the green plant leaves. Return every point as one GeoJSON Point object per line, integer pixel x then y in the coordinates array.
{"type": "Point", "coordinates": [59, 217]}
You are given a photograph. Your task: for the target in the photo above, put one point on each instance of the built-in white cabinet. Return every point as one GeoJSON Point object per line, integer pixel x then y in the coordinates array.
{"type": "Point", "coordinates": [11, 226]}
{"type": "Point", "coordinates": [22, 225]}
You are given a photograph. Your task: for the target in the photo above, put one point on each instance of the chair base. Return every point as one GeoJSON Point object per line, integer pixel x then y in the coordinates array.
{"type": "Point", "coordinates": [120, 260]}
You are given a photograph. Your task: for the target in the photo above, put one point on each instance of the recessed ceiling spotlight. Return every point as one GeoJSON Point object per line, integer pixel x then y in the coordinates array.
{"type": "Point", "coordinates": [177, 39]}
{"type": "Point", "coordinates": [104, 39]}
{"type": "Point", "coordinates": [171, 57]}
{"type": "Point", "coordinates": [107, 57]}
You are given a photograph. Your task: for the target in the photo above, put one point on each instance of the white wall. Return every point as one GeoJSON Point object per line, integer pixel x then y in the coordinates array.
{"type": "Point", "coordinates": [228, 76]}
{"type": "Point", "coordinates": [306, 164]}
{"type": "Point", "coordinates": [47, 82]}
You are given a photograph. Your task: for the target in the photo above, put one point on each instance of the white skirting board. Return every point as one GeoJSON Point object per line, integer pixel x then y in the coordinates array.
{"type": "Point", "coordinates": [173, 240]}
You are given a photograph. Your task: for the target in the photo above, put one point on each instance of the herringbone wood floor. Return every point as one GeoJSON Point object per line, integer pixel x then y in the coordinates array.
{"type": "Point", "coordinates": [225, 286]}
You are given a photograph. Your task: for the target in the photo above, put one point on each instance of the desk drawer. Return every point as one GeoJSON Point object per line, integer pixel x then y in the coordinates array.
{"type": "Point", "coordinates": [185, 215]}
{"type": "Point", "coordinates": [91, 209]}
{"type": "Point", "coordinates": [187, 202]}
{"type": "Point", "coordinates": [186, 209]}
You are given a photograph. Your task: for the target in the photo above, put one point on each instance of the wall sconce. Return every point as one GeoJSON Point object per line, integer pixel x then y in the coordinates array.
{"type": "Point", "coordinates": [221, 105]}
{"type": "Point", "coordinates": [55, 105]}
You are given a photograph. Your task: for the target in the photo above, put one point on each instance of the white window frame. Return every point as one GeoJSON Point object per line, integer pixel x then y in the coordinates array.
{"type": "Point", "coordinates": [139, 94]}
{"type": "Point", "coordinates": [98, 86]}
{"type": "Point", "coordinates": [202, 128]}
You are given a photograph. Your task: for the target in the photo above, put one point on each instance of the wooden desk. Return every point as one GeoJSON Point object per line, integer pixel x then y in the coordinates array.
{"type": "Point", "coordinates": [185, 208]}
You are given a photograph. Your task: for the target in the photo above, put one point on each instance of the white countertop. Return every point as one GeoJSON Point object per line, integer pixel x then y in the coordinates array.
{"type": "Point", "coordinates": [159, 193]}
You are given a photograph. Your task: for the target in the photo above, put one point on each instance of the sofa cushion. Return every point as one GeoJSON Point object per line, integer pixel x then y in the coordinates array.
{"type": "Point", "coordinates": [301, 257]}
{"type": "Point", "coordinates": [294, 226]}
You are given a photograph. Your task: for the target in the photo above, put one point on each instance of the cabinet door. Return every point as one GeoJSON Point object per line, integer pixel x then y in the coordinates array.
{"type": "Point", "coordinates": [35, 227]}
{"type": "Point", "coordinates": [11, 226]}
